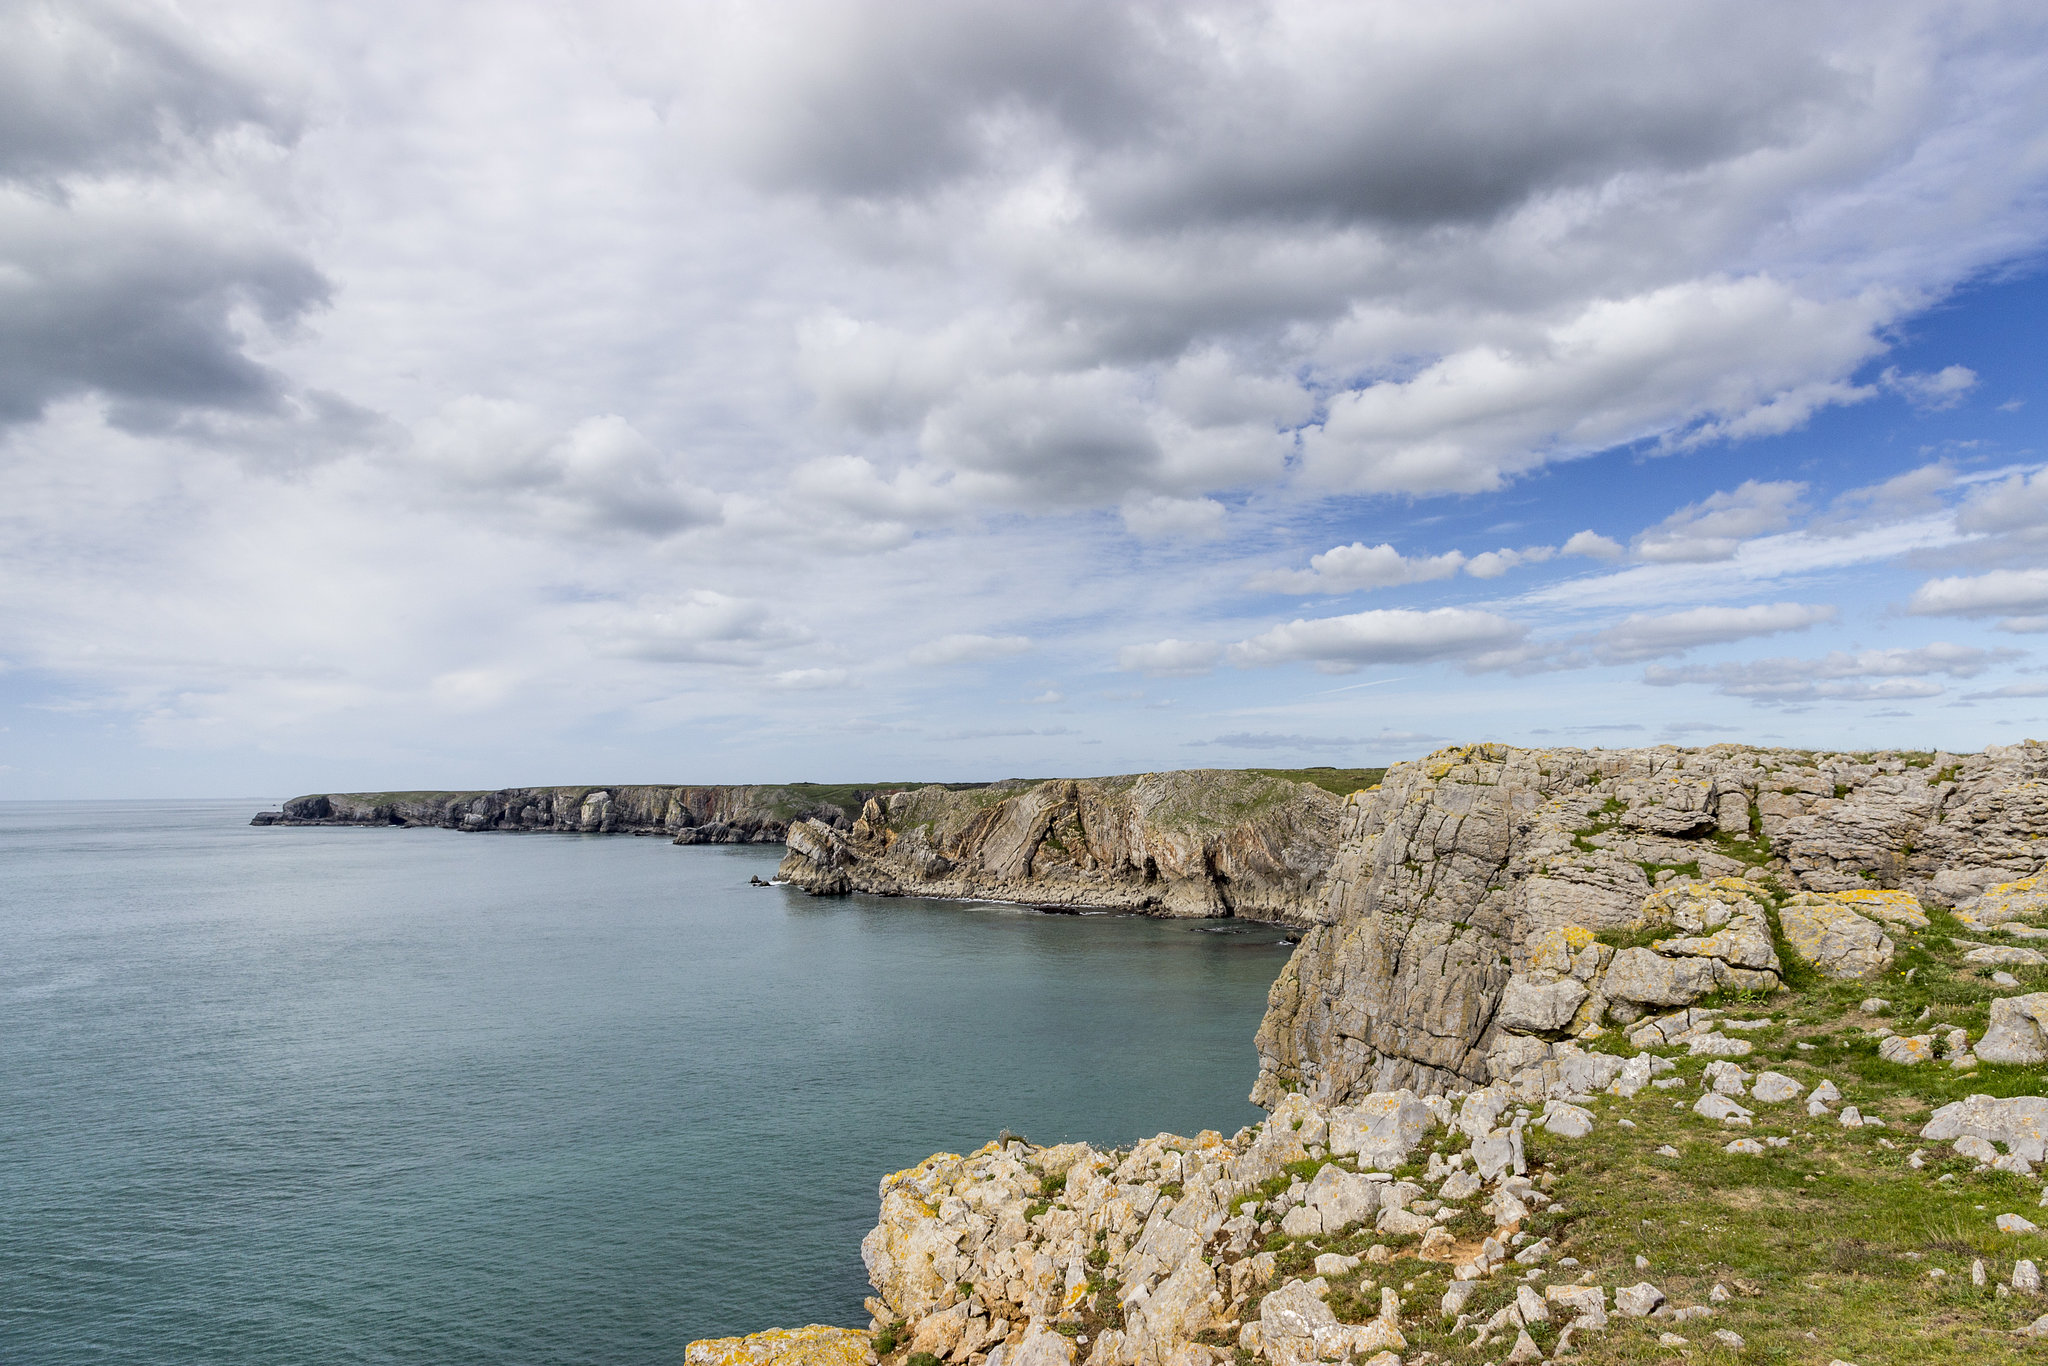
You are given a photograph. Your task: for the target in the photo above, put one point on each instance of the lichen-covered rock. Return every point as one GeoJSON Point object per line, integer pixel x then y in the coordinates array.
{"type": "Point", "coordinates": [1725, 919]}
{"type": "Point", "coordinates": [2021, 899]}
{"type": "Point", "coordinates": [2019, 1030]}
{"type": "Point", "coordinates": [815, 1345]}
{"type": "Point", "coordinates": [1901, 910]}
{"type": "Point", "coordinates": [1835, 939]}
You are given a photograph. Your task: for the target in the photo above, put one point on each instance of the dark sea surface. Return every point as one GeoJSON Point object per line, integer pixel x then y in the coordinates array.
{"type": "Point", "coordinates": [333, 1095]}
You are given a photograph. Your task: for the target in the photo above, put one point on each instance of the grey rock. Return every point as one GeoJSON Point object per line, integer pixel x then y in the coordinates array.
{"type": "Point", "coordinates": [2018, 1032]}
{"type": "Point", "coordinates": [1774, 1087]}
{"type": "Point", "coordinates": [1637, 1301]}
{"type": "Point", "coordinates": [1534, 1007]}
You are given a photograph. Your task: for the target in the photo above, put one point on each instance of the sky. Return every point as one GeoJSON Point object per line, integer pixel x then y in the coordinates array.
{"type": "Point", "coordinates": [478, 394]}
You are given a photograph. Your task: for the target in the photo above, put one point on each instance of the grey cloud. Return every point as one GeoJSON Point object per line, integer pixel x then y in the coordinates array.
{"type": "Point", "coordinates": [1057, 439]}
{"type": "Point", "coordinates": [599, 475]}
{"type": "Point", "coordinates": [130, 243]}
{"type": "Point", "coordinates": [1862, 676]}
{"type": "Point", "coordinates": [105, 86]}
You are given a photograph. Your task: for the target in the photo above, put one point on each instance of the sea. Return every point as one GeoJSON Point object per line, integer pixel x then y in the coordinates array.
{"type": "Point", "coordinates": [275, 1094]}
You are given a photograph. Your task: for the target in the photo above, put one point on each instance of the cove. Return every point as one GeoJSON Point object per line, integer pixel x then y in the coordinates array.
{"type": "Point", "coordinates": [409, 1096]}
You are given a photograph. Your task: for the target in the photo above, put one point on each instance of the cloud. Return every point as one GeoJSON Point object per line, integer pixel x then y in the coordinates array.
{"type": "Point", "coordinates": [2020, 592]}
{"type": "Point", "coordinates": [1715, 527]}
{"type": "Point", "coordinates": [1159, 518]}
{"type": "Point", "coordinates": [599, 475]}
{"type": "Point", "coordinates": [1342, 644]}
{"type": "Point", "coordinates": [1931, 391]}
{"type": "Point", "coordinates": [140, 254]}
{"type": "Point", "coordinates": [700, 627]}
{"type": "Point", "coordinates": [809, 680]}
{"type": "Point", "coordinates": [2010, 690]}
{"type": "Point", "coordinates": [967, 649]}
{"type": "Point", "coordinates": [1592, 545]}
{"type": "Point", "coordinates": [1839, 676]}
{"type": "Point", "coordinates": [1170, 658]}
{"type": "Point", "coordinates": [1492, 564]}
{"type": "Point", "coordinates": [1646, 636]}
{"type": "Point", "coordinates": [1349, 568]}
{"type": "Point", "coordinates": [1256, 740]}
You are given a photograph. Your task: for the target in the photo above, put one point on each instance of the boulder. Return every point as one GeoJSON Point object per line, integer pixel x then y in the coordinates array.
{"type": "Point", "coordinates": [1381, 1128]}
{"type": "Point", "coordinates": [2018, 1122]}
{"type": "Point", "coordinates": [2019, 1030]}
{"type": "Point", "coordinates": [1716, 1106]}
{"type": "Point", "coordinates": [1637, 1301]}
{"type": "Point", "coordinates": [1645, 977]}
{"type": "Point", "coordinates": [1907, 1052]}
{"type": "Point", "coordinates": [2000, 955]}
{"type": "Point", "coordinates": [1821, 931]}
{"type": "Point", "coordinates": [1341, 1198]}
{"type": "Point", "coordinates": [815, 1345]}
{"type": "Point", "coordinates": [1529, 1006]}
{"type": "Point", "coordinates": [1773, 1087]}
{"type": "Point", "coordinates": [1569, 1121]}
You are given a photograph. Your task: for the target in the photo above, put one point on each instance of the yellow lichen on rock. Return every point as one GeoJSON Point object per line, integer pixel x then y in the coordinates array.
{"type": "Point", "coordinates": [2027, 896]}
{"type": "Point", "coordinates": [816, 1344]}
{"type": "Point", "coordinates": [1892, 907]}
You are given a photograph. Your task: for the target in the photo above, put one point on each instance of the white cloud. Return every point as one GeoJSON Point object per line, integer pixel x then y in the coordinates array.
{"type": "Point", "coordinates": [967, 649]}
{"type": "Point", "coordinates": [1646, 636]}
{"type": "Point", "coordinates": [1389, 636]}
{"type": "Point", "coordinates": [1159, 518]}
{"type": "Point", "coordinates": [1934, 390]}
{"type": "Point", "coordinates": [1715, 527]}
{"type": "Point", "coordinates": [1170, 658]}
{"type": "Point", "coordinates": [1492, 564]}
{"type": "Point", "coordinates": [701, 627]}
{"type": "Point", "coordinates": [1350, 568]}
{"type": "Point", "coordinates": [1593, 546]}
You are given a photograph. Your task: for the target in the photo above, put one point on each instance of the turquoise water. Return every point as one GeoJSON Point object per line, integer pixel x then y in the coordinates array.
{"type": "Point", "coordinates": [330, 1095]}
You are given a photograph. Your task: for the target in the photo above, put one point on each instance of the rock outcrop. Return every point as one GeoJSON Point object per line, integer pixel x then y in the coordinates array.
{"type": "Point", "coordinates": [688, 815]}
{"type": "Point", "coordinates": [1435, 961]}
{"type": "Point", "coordinates": [1199, 842]}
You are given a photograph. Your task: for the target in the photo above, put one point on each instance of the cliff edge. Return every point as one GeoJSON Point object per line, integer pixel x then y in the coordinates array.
{"type": "Point", "coordinates": [688, 815]}
{"type": "Point", "coordinates": [1198, 842]}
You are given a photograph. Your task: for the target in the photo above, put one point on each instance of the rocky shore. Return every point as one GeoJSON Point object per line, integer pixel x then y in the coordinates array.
{"type": "Point", "coordinates": [1564, 1024]}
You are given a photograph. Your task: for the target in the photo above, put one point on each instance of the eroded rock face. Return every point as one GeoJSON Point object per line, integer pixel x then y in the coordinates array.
{"type": "Point", "coordinates": [1193, 843]}
{"type": "Point", "coordinates": [815, 1345]}
{"type": "Point", "coordinates": [1436, 965]}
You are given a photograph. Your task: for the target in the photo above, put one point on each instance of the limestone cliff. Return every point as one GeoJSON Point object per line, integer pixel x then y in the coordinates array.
{"type": "Point", "coordinates": [1456, 943]}
{"type": "Point", "coordinates": [689, 815]}
{"type": "Point", "coordinates": [1199, 842]}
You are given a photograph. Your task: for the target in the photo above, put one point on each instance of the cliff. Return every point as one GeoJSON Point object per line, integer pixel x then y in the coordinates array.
{"type": "Point", "coordinates": [1436, 961]}
{"type": "Point", "coordinates": [1199, 842]}
{"type": "Point", "coordinates": [689, 815]}
{"type": "Point", "coordinates": [1509, 1069]}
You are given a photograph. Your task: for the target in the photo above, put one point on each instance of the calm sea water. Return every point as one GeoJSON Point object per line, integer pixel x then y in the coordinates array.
{"type": "Point", "coordinates": [329, 1095]}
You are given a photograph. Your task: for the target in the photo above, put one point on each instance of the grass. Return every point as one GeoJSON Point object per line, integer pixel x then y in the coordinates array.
{"type": "Point", "coordinates": [1342, 781]}
{"type": "Point", "coordinates": [1825, 1245]}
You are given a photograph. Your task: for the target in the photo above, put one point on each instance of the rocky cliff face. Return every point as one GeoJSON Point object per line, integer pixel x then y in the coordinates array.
{"type": "Point", "coordinates": [1193, 843]}
{"type": "Point", "coordinates": [689, 815]}
{"type": "Point", "coordinates": [1459, 940]}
